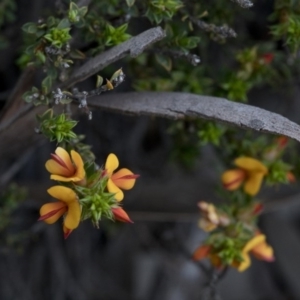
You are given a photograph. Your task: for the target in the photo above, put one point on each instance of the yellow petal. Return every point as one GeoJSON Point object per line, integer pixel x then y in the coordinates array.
{"type": "Point", "coordinates": [253, 183]}
{"type": "Point", "coordinates": [80, 172]}
{"type": "Point", "coordinates": [245, 264]}
{"type": "Point", "coordinates": [125, 184]}
{"type": "Point", "coordinates": [54, 167]}
{"type": "Point", "coordinates": [256, 240]}
{"type": "Point", "coordinates": [63, 178]}
{"type": "Point", "coordinates": [49, 207]}
{"type": "Point", "coordinates": [206, 225]}
{"type": "Point", "coordinates": [73, 215]}
{"type": "Point", "coordinates": [63, 194]}
{"type": "Point", "coordinates": [251, 164]}
{"type": "Point", "coordinates": [232, 179]}
{"type": "Point", "coordinates": [111, 164]}
{"type": "Point", "coordinates": [112, 188]}
{"type": "Point", "coordinates": [64, 155]}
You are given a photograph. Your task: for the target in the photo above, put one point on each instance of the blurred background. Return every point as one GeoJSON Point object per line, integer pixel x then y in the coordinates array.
{"type": "Point", "coordinates": [150, 259]}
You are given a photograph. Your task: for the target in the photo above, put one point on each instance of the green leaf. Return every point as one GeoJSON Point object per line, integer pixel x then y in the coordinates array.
{"type": "Point", "coordinates": [130, 2]}
{"type": "Point", "coordinates": [76, 54]}
{"type": "Point", "coordinates": [82, 11]}
{"type": "Point", "coordinates": [64, 23]}
{"type": "Point", "coordinates": [99, 81]}
{"type": "Point", "coordinates": [122, 28]}
{"type": "Point", "coordinates": [30, 28]}
{"type": "Point", "coordinates": [51, 21]}
{"type": "Point", "coordinates": [73, 6]}
{"type": "Point", "coordinates": [66, 101]}
{"type": "Point", "coordinates": [52, 72]}
{"type": "Point", "coordinates": [48, 114]}
{"type": "Point", "coordinates": [164, 61]}
{"type": "Point", "coordinates": [27, 97]}
{"type": "Point", "coordinates": [41, 56]}
{"type": "Point", "coordinates": [46, 85]}
{"type": "Point", "coordinates": [116, 74]}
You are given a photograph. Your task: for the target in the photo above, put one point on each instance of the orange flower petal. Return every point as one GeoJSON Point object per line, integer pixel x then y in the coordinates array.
{"type": "Point", "coordinates": [260, 248]}
{"type": "Point", "coordinates": [63, 194]}
{"type": "Point", "coordinates": [73, 215]}
{"type": "Point", "coordinates": [245, 264]}
{"type": "Point", "coordinates": [65, 156]}
{"type": "Point", "coordinates": [253, 183]}
{"type": "Point", "coordinates": [123, 183]}
{"type": "Point", "coordinates": [65, 179]}
{"type": "Point", "coordinates": [111, 164]}
{"type": "Point", "coordinates": [201, 252]}
{"type": "Point", "coordinates": [58, 207]}
{"type": "Point", "coordinates": [251, 164]}
{"type": "Point", "coordinates": [112, 188]}
{"type": "Point", "coordinates": [232, 179]}
{"type": "Point", "coordinates": [256, 240]}
{"type": "Point", "coordinates": [54, 167]}
{"type": "Point", "coordinates": [121, 215]}
{"type": "Point", "coordinates": [80, 172]}
{"type": "Point", "coordinates": [264, 252]}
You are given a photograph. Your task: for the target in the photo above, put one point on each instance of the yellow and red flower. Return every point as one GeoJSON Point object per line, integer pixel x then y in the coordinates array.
{"type": "Point", "coordinates": [256, 246]}
{"type": "Point", "coordinates": [250, 171]}
{"type": "Point", "coordinates": [259, 248]}
{"type": "Point", "coordinates": [64, 167]}
{"type": "Point", "coordinates": [67, 206]}
{"type": "Point", "coordinates": [122, 179]}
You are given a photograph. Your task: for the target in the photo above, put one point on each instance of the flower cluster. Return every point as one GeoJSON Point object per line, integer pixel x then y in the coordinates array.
{"type": "Point", "coordinates": [233, 232]}
{"type": "Point", "coordinates": [256, 245]}
{"type": "Point", "coordinates": [85, 191]}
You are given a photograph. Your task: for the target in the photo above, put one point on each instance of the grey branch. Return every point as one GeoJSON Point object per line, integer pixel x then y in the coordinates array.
{"type": "Point", "coordinates": [134, 47]}
{"type": "Point", "coordinates": [175, 105]}
{"type": "Point", "coordinates": [243, 3]}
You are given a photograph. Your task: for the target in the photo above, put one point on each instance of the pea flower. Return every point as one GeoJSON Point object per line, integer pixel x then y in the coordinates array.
{"type": "Point", "coordinates": [259, 248]}
{"type": "Point", "coordinates": [250, 171]}
{"type": "Point", "coordinates": [67, 206]}
{"type": "Point", "coordinates": [122, 179]}
{"type": "Point", "coordinates": [64, 167]}
{"type": "Point", "coordinates": [210, 217]}
{"type": "Point", "coordinates": [256, 246]}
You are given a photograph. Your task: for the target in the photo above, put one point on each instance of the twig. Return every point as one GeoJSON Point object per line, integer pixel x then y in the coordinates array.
{"type": "Point", "coordinates": [210, 291]}
{"type": "Point", "coordinates": [174, 105]}
{"type": "Point", "coordinates": [221, 32]}
{"type": "Point", "coordinates": [9, 174]}
{"type": "Point", "coordinates": [15, 106]}
{"type": "Point", "coordinates": [191, 58]}
{"type": "Point", "coordinates": [243, 3]}
{"type": "Point", "coordinates": [133, 47]}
